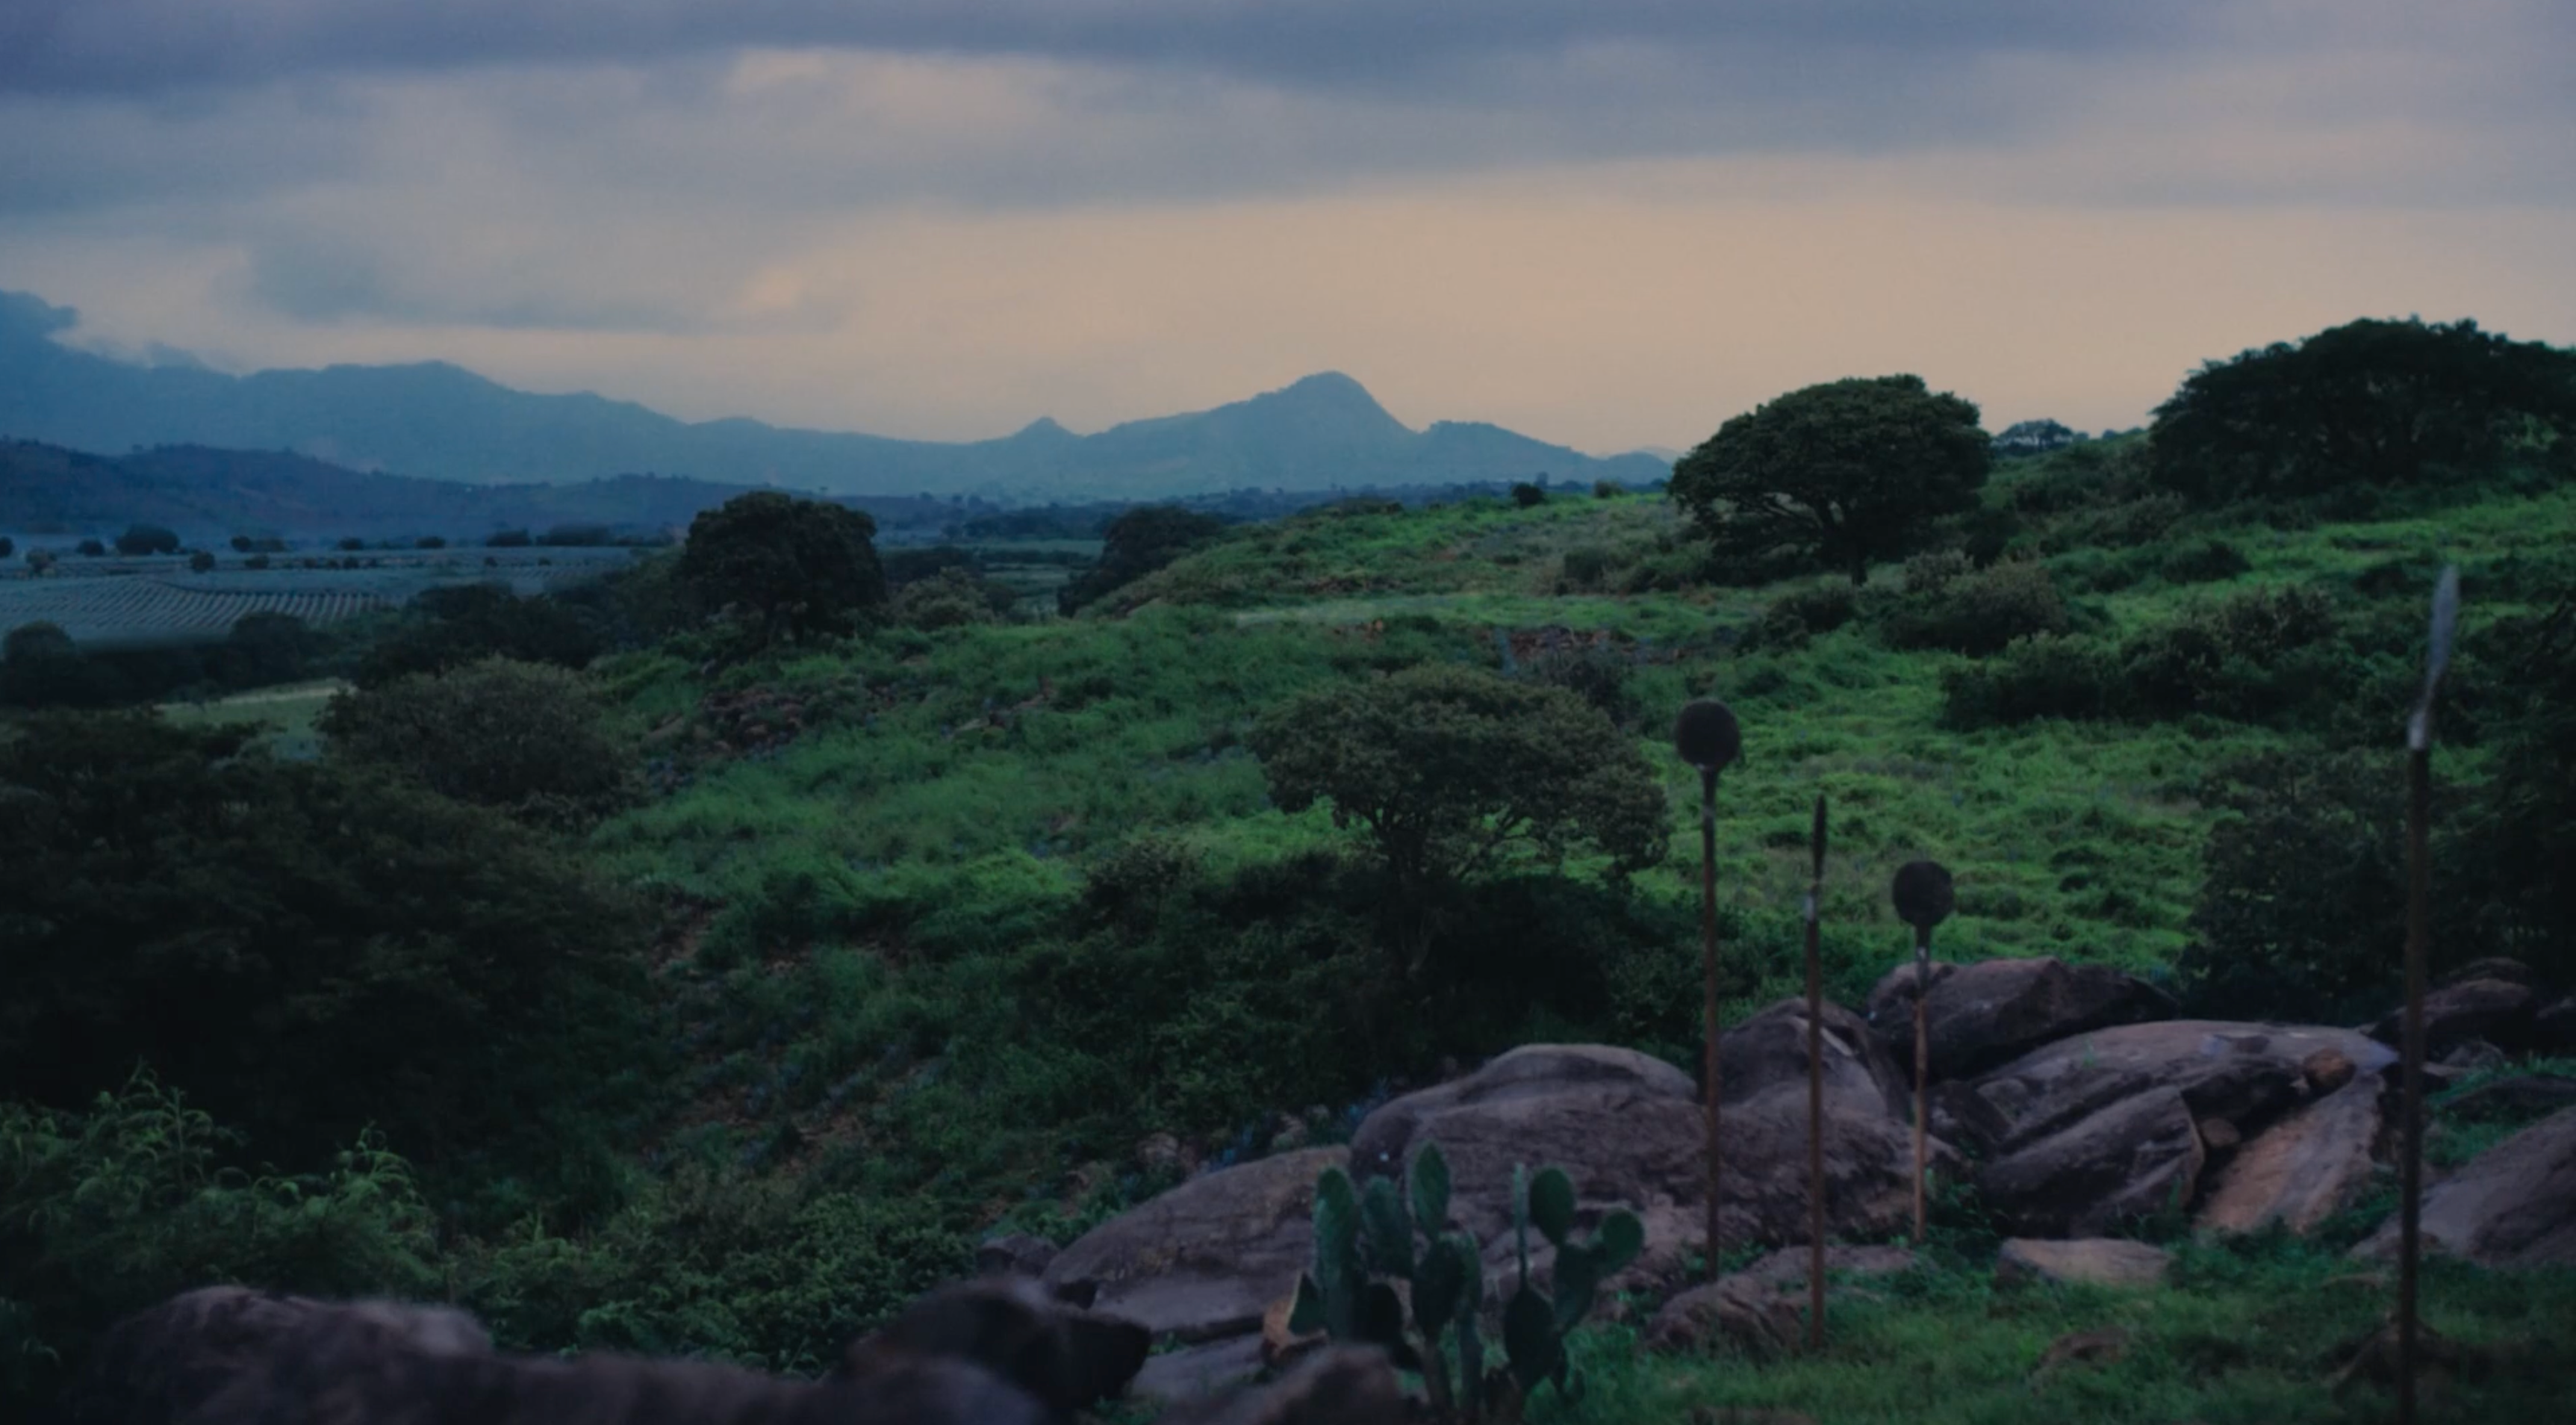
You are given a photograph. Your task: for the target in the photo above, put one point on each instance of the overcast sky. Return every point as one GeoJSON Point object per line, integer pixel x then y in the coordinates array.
{"type": "Point", "coordinates": [1610, 224]}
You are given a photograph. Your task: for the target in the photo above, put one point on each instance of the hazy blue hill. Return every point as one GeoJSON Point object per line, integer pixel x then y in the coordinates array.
{"type": "Point", "coordinates": [208, 495]}
{"type": "Point", "coordinates": [440, 421]}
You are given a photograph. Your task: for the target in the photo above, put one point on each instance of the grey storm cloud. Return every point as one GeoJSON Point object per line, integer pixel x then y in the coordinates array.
{"type": "Point", "coordinates": [147, 45]}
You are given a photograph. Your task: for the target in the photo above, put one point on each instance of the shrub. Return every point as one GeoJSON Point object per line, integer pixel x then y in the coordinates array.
{"type": "Point", "coordinates": [1791, 619]}
{"type": "Point", "coordinates": [1977, 613]}
{"type": "Point", "coordinates": [1594, 672]}
{"type": "Point", "coordinates": [457, 625]}
{"type": "Point", "coordinates": [146, 539]}
{"type": "Point", "coordinates": [507, 539]}
{"type": "Point", "coordinates": [352, 542]}
{"type": "Point", "coordinates": [1527, 495]}
{"type": "Point", "coordinates": [1586, 565]}
{"type": "Point", "coordinates": [256, 561]}
{"type": "Point", "coordinates": [1607, 489]}
{"type": "Point", "coordinates": [200, 561]}
{"type": "Point", "coordinates": [523, 738]}
{"type": "Point", "coordinates": [90, 549]}
{"type": "Point", "coordinates": [2302, 906]}
{"type": "Point", "coordinates": [952, 597]}
{"type": "Point", "coordinates": [430, 541]}
{"type": "Point", "coordinates": [2047, 675]}
{"type": "Point", "coordinates": [1143, 540]}
{"type": "Point", "coordinates": [2248, 657]}
{"type": "Point", "coordinates": [2204, 562]}
{"type": "Point", "coordinates": [1930, 574]}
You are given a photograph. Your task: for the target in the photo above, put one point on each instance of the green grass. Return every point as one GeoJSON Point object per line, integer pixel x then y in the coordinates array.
{"type": "Point", "coordinates": [288, 713]}
{"type": "Point", "coordinates": [2241, 1336]}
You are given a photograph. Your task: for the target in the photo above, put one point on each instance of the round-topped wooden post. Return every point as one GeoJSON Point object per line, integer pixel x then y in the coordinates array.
{"type": "Point", "coordinates": [1924, 898]}
{"type": "Point", "coordinates": [1706, 737]}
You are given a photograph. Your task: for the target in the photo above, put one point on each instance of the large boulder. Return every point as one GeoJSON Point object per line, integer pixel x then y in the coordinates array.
{"type": "Point", "coordinates": [2115, 1124]}
{"type": "Point", "coordinates": [1768, 1053]}
{"type": "Point", "coordinates": [2499, 1011]}
{"type": "Point", "coordinates": [2089, 1261]}
{"type": "Point", "coordinates": [2307, 1167]}
{"type": "Point", "coordinates": [1994, 1011]}
{"type": "Point", "coordinates": [2554, 1027]}
{"type": "Point", "coordinates": [1202, 1261]}
{"type": "Point", "coordinates": [1631, 1133]}
{"type": "Point", "coordinates": [2513, 1205]}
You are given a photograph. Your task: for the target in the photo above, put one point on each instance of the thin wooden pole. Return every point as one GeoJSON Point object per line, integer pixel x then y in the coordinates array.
{"type": "Point", "coordinates": [2419, 937]}
{"type": "Point", "coordinates": [1708, 964]}
{"type": "Point", "coordinates": [1922, 1068]}
{"type": "Point", "coordinates": [2419, 812]}
{"type": "Point", "coordinates": [1816, 1092]}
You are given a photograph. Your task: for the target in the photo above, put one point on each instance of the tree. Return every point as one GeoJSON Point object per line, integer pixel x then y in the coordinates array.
{"type": "Point", "coordinates": [8, 546]}
{"type": "Point", "coordinates": [2034, 438]}
{"type": "Point", "coordinates": [1137, 543]}
{"type": "Point", "coordinates": [201, 561]}
{"type": "Point", "coordinates": [147, 539]}
{"type": "Point", "coordinates": [466, 622]}
{"type": "Point", "coordinates": [2372, 403]}
{"type": "Point", "coordinates": [90, 549]}
{"type": "Point", "coordinates": [264, 648]}
{"type": "Point", "coordinates": [40, 667]}
{"type": "Point", "coordinates": [1839, 474]}
{"type": "Point", "coordinates": [522, 738]}
{"type": "Point", "coordinates": [1450, 770]}
{"type": "Point", "coordinates": [793, 566]}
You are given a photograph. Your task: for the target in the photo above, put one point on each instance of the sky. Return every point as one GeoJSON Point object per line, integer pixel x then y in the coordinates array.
{"type": "Point", "coordinates": [1611, 224]}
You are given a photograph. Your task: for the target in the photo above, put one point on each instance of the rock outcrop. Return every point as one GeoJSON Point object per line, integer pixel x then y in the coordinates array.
{"type": "Point", "coordinates": [2501, 1011]}
{"type": "Point", "coordinates": [1991, 1012]}
{"type": "Point", "coordinates": [2307, 1167]}
{"type": "Point", "coordinates": [2513, 1205]}
{"type": "Point", "coordinates": [2090, 1261]}
{"type": "Point", "coordinates": [1203, 1261]}
{"type": "Point", "coordinates": [2104, 1127]}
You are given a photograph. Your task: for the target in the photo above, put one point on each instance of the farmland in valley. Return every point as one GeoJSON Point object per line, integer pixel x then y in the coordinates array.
{"type": "Point", "coordinates": [139, 603]}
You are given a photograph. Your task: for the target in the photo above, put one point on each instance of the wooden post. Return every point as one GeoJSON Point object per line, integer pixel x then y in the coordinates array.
{"type": "Point", "coordinates": [1816, 1090]}
{"type": "Point", "coordinates": [2419, 936]}
{"type": "Point", "coordinates": [1708, 964]}
{"type": "Point", "coordinates": [1922, 1070]}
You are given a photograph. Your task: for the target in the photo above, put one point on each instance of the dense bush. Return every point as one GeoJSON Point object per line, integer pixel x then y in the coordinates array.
{"type": "Point", "coordinates": [147, 539]}
{"type": "Point", "coordinates": [952, 597]}
{"type": "Point", "coordinates": [1529, 496]}
{"type": "Point", "coordinates": [2204, 561]}
{"type": "Point", "coordinates": [2254, 656]}
{"type": "Point", "coordinates": [452, 626]}
{"type": "Point", "coordinates": [119, 1202]}
{"type": "Point", "coordinates": [1800, 614]}
{"type": "Point", "coordinates": [260, 932]}
{"type": "Point", "coordinates": [1976, 612]}
{"type": "Point", "coordinates": [2043, 676]}
{"type": "Point", "coordinates": [523, 738]}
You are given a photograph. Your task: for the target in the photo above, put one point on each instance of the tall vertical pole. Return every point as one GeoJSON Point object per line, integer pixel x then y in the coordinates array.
{"type": "Point", "coordinates": [2419, 937]}
{"type": "Point", "coordinates": [1708, 965]}
{"type": "Point", "coordinates": [1922, 1068]}
{"type": "Point", "coordinates": [1816, 1090]}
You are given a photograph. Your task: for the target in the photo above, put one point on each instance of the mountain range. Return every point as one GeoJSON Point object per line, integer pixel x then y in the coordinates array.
{"type": "Point", "coordinates": [441, 421]}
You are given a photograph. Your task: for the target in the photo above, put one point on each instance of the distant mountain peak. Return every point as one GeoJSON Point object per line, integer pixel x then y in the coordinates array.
{"type": "Point", "coordinates": [1044, 428]}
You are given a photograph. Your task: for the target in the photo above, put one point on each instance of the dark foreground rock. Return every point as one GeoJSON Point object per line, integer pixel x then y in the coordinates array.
{"type": "Point", "coordinates": [1762, 1309]}
{"type": "Point", "coordinates": [2512, 1206]}
{"type": "Point", "coordinates": [1203, 1261]}
{"type": "Point", "coordinates": [1994, 1011]}
{"type": "Point", "coordinates": [986, 1353]}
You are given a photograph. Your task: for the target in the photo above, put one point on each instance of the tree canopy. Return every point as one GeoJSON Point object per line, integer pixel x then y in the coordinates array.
{"type": "Point", "coordinates": [2366, 403]}
{"type": "Point", "coordinates": [1448, 769]}
{"type": "Point", "coordinates": [1839, 474]}
{"type": "Point", "coordinates": [791, 566]}
{"type": "Point", "coordinates": [1136, 544]}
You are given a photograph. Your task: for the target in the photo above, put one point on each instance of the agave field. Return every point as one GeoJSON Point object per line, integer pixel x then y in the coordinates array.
{"type": "Point", "coordinates": [150, 603]}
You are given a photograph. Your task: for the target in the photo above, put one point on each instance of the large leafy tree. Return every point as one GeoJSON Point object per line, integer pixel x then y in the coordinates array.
{"type": "Point", "coordinates": [2366, 403]}
{"type": "Point", "coordinates": [792, 566]}
{"type": "Point", "coordinates": [1450, 770]}
{"type": "Point", "coordinates": [1841, 474]}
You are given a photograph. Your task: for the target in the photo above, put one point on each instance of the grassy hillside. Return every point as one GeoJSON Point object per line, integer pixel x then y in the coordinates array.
{"type": "Point", "coordinates": [996, 926]}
